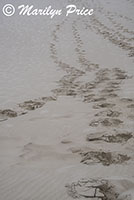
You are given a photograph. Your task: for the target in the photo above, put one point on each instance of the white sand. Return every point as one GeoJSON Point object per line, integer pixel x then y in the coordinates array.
{"type": "Point", "coordinates": [84, 137]}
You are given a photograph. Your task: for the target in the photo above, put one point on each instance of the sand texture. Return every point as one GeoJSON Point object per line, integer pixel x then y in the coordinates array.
{"type": "Point", "coordinates": [72, 135]}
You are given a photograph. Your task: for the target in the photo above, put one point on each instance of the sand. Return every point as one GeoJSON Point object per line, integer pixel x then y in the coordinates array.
{"type": "Point", "coordinates": [76, 140]}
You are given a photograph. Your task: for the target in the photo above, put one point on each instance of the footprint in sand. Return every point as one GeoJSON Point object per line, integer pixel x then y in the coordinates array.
{"type": "Point", "coordinates": [108, 113]}
{"type": "Point", "coordinates": [106, 122]}
{"type": "Point", "coordinates": [8, 113]}
{"type": "Point", "coordinates": [116, 137]}
{"type": "Point", "coordinates": [103, 105]}
{"type": "Point", "coordinates": [105, 158]}
{"type": "Point", "coordinates": [37, 103]}
{"type": "Point", "coordinates": [100, 189]}
{"type": "Point", "coordinates": [130, 106]}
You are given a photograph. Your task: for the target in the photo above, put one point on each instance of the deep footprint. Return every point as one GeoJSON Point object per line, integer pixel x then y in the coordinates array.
{"type": "Point", "coordinates": [105, 158]}
{"type": "Point", "coordinates": [92, 189]}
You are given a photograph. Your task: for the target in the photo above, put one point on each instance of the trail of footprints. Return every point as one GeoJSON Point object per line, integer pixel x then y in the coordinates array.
{"type": "Point", "coordinates": [109, 115]}
{"type": "Point", "coordinates": [102, 93]}
{"type": "Point", "coordinates": [109, 108]}
{"type": "Point", "coordinates": [114, 14]}
{"type": "Point", "coordinates": [83, 61]}
{"type": "Point", "coordinates": [113, 36]}
{"type": "Point", "coordinates": [23, 108]}
{"type": "Point", "coordinates": [116, 34]}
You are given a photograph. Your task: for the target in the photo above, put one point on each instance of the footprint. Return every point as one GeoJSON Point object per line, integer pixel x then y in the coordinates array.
{"type": "Point", "coordinates": [109, 113]}
{"type": "Point", "coordinates": [88, 189]}
{"type": "Point", "coordinates": [126, 100]}
{"type": "Point", "coordinates": [103, 105]}
{"type": "Point", "coordinates": [105, 158]}
{"type": "Point", "coordinates": [100, 189]}
{"type": "Point", "coordinates": [130, 106]}
{"type": "Point", "coordinates": [106, 122]}
{"type": "Point", "coordinates": [111, 138]}
{"type": "Point", "coordinates": [31, 104]}
{"type": "Point", "coordinates": [8, 113]}
{"type": "Point", "coordinates": [111, 122]}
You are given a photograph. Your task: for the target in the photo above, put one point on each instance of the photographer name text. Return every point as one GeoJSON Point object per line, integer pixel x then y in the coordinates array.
{"type": "Point", "coordinates": [30, 10]}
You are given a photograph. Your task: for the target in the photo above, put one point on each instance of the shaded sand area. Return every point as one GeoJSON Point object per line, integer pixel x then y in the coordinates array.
{"type": "Point", "coordinates": [77, 142]}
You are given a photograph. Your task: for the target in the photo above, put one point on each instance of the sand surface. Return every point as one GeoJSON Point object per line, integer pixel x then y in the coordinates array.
{"type": "Point", "coordinates": [67, 105]}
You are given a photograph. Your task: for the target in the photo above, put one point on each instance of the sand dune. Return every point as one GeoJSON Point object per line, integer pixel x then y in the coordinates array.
{"type": "Point", "coordinates": [75, 141]}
